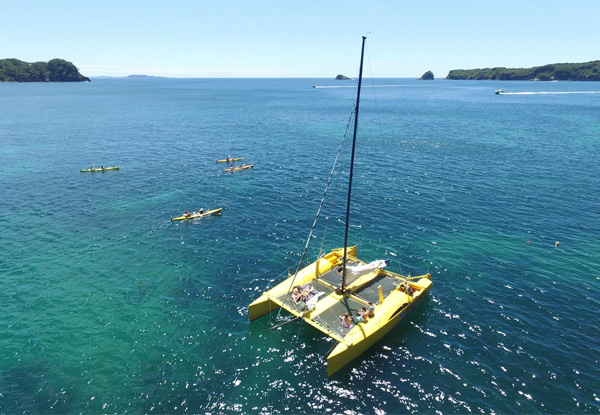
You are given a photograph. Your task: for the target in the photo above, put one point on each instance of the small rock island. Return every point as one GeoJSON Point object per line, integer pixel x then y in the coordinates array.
{"type": "Point", "coordinates": [55, 70]}
{"type": "Point", "coordinates": [341, 77]}
{"type": "Point", "coordinates": [427, 76]}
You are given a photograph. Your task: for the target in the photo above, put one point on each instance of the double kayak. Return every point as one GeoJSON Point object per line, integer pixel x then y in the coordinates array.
{"type": "Point", "coordinates": [237, 168]}
{"type": "Point", "coordinates": [196, 215]}
{"type": "Point", "coordinates": [229, 160]}
{"type": "Point", "coordinates": [100, 169]}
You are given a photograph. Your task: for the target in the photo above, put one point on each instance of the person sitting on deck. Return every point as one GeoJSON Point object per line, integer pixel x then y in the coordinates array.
{"type": "Point", "coordinates": [186, 214]}
{"type": "Point", "coordinates": [371, 309]}
{"type": "Point", "coordinates": [406, 289]}
{"type": "Point", "coordinates": [364, 313]}
{"type": "Point", "coordinates": [358, 318]}
{"type": "Point", "coordinates": [296, 294]}
{"type": "Point", "coordinates": [201, 211]}
{"type": "Point", "coordinates": [306, 293]}
{"type": "Point", "coordinates": [346, 321]}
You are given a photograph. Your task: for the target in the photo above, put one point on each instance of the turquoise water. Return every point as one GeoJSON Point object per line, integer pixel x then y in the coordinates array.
{"type": "Point", "coordinates": [109, 307]}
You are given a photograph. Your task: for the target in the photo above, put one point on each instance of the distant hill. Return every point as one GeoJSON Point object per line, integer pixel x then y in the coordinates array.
{"type": "Point", "coordinates": [56, 70]}
{"type": "Point", "coordinates": [145, 77]}
{"type": "Point", "coordinates": [587, 71]}
{"type": "Point", "coordinates": [134, 76]}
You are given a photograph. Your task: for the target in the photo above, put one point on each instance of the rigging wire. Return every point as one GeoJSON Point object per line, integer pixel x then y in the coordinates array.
{"type": "Point", "coordinates": [332, 205]}
{"type": "Point", "coordinates": [378, 112]}
{"type": "Point", "coordinates": [312, 230]}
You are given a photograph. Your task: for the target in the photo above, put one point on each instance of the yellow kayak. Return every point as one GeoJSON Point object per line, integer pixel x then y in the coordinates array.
{"type": "Point", "coordinates": [229, 160]}
{"type": "Point", "coordinates": [100, 169]}
{"type": "Point", "coordinates": [237, 168]}
{"type": "Point", "coordinates": [196, 215]}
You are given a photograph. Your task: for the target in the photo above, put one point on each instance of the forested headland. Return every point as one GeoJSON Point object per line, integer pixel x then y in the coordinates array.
{"type": "Point", "coordinates": [587, 71]}
{"type": "Point", "coordinates": [55, 70]}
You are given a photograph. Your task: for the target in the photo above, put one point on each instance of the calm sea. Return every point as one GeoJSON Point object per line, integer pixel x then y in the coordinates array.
{"type": "Point", "coordinates": [109, 307]}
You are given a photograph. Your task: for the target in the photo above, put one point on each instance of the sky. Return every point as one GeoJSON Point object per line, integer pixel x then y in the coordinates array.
{"type": "Point", "coordinates": [298, 39]}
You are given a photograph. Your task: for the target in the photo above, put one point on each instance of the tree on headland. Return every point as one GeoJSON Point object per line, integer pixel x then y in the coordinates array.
{"type": "Point", "coordinates": [587, 71]}
{"type": "Point", "coordinates": [56, 70]}
{"type": "Point", "coordinates": [62, 71]}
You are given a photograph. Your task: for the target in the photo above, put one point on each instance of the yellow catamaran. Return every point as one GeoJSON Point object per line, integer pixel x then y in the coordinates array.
{"type": "Point", "coordinates": [354, 302]}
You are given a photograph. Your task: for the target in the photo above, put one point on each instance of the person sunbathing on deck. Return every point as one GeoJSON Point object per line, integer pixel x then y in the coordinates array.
{"type": "Point", "coordinates": [306, 293]}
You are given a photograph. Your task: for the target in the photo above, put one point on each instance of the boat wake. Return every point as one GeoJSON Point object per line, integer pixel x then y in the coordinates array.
{"type": "Point", "coordinates": [550, 93]}
{"type": "Point", "coordinates": [354, 86]}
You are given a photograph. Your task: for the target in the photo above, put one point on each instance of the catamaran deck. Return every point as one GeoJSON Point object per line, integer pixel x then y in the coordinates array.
{"type": "Point", "coordinates": [328, 310]}
{"type": "Point", "coordinates": [334, 276]}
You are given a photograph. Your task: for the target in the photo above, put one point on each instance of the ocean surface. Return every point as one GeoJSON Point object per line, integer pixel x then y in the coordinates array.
{"type": "Point", "coordinates": [107, 306]}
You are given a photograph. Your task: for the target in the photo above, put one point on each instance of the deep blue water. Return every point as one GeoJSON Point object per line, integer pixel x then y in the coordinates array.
{"type": "Point", "coordinates": [109, 307]}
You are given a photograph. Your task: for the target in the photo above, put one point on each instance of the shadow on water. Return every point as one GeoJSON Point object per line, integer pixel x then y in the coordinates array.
{"type": "Point", "coordinates": [26, 388]}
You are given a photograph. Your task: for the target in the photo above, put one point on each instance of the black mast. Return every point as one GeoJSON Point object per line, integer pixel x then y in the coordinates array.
{"type": "Point", "coordinates": [362, 53]}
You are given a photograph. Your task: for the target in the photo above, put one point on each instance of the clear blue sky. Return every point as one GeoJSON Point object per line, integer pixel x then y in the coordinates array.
{"type": "Point", "coordinates": [301, 38]}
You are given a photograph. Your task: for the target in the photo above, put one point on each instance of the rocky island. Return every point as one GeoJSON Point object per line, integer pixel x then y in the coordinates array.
{"type": "Point", "coordinates": [341, 77]}
{"type": "Point", "coordinates": [427, 76]}
{"type": "Point", "coordinates": [55, 70]}
{"type": "Point", "coordinates": [586, 71]}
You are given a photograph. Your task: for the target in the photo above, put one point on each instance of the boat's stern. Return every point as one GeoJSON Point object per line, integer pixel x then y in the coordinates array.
{"type": "Point", "coordinates": [423, 285]}
{"type": "Point", "coordinates": [261, 306]}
